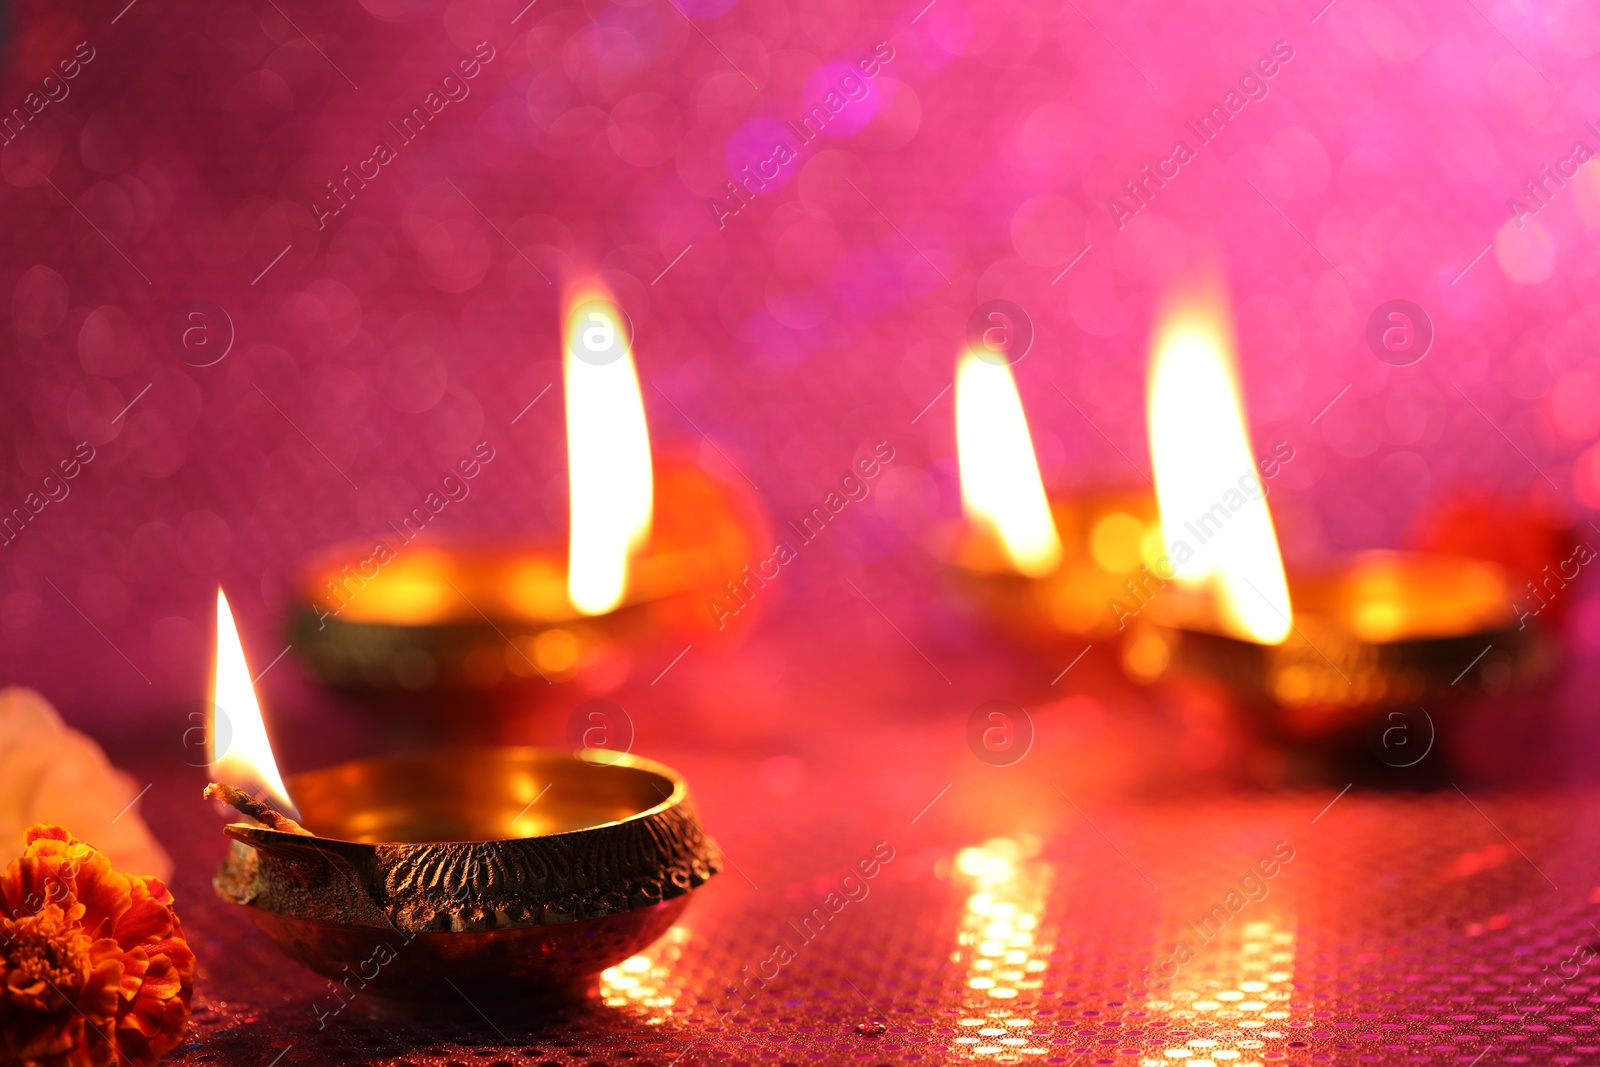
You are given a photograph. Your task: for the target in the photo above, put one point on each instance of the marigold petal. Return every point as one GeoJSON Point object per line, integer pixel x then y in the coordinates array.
{"type": "Point", "coordinates": [33, 994]}
{"type": "Point", "coordinates": [46, 832]}
{"type": "Point", "coordinates": [30, 1039]}
{"type": "Point", "coordinates": [140, 1047]}
{"type": "Point", "coordinates": [32, 881]}
{"type": "Point", "coordinates": [158, 889]}
{"type": "Point", "coordinates": [128, 970]}
{"type": "Point", "coordinates": [52, 848]}
{"type": "Point", "coordinates": [144, 920]}
{"type": "Point", "coordinates": [162, 981]}
{"type": "Point", "coordinates": [11, 891]}
{"type": "Point", "coordinates": [181, 955]}
{"type": "Point", "coordinates": [134, 963]}
{"type": "Point", "coordinates": [99, 997]}
{"type": "Point", "coordinates": [105, 895]}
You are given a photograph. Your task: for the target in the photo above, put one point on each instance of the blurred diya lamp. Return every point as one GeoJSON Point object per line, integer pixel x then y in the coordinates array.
{"type": "Point", "coordinates": [1039, 568]}
{"type": "Point", "coordinates": [1378, 629]}
{"type": "Point", "coordinates": [1190, 576]}
{"type": "Point", "coordinates": [1103, 534]}
{"type": "Point", "coordinates": [1534, 536]}
{"type": "Point", "coordinates": [465, 618]}
{"type": "Point", "coordinates": [649, 544]}
{"type": "Point", "coordinates": [453, 877]}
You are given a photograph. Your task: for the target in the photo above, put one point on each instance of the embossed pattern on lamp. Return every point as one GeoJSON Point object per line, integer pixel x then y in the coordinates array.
{"type": "Point", "coordinates": [491, 873]}
{"type": "Point", "coordinates": [647, 540]}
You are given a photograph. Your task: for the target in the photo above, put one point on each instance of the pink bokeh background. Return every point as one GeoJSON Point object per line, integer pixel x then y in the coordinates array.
{"type": "Point", "coordinates": [373, 348]}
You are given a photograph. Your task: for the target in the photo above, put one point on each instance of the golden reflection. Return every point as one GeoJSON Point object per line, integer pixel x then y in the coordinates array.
{"type": "Point", "coordinates": [643, 983]}
{"type": "Point", "coordinates": [1234, 995]}
{"type": "Point", "coordinates": [999, 942]}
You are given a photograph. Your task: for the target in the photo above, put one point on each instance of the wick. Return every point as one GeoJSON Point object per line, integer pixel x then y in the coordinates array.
{"type": "Point", "coordinates": [245, 804]}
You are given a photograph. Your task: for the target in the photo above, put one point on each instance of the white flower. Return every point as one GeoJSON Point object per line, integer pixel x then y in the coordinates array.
{"type": "Point", "coordinates": [51, 773]}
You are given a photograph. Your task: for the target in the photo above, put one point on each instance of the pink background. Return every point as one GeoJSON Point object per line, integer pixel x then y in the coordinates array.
{"type": "Point", "coordinates": [817, 321]}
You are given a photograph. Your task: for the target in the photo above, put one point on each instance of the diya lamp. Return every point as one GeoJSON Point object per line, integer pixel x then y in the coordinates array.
{"type": "Point", "coordinates": [450, 878]}
{"type": "Point", "coordinates": [1190, 576]}
{"type": "Point", "coordinates": [1041, 568]}
{"type": "Point", "coordinates": [1532, 534]}
{"type": "Point", "coordinates": [650, 542]}
{"type": "Point", "coordinates": [1323, 644]}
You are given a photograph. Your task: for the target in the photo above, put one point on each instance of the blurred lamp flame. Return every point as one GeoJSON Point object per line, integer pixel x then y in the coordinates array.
{"type": "Point", "coordinates": [248, 761]}
{"type": "Point", "coordinates": [608, 454]}
{"type": "Point", "coordinates": [1000, 483]}
{"type": "Point", "coordinates": [1214, 513]}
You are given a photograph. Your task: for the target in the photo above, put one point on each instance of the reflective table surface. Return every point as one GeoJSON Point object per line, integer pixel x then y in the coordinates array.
{"type": "Point", "coordinates": [1115, 896]}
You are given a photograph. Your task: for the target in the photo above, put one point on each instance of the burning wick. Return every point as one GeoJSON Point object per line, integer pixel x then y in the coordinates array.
{"type": "Point", "coordinates": [245, 804]}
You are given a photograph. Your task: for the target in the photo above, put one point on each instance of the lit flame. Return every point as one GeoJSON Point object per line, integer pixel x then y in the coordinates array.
{"type": "Point", "coordinates": [247, 759]}
{"type": "Point", "coordinates": [1000, 483]}
{"type": "Point", "coordinates": [1214, 514]}
{"type": "Point", "coordinates": [1000, 944]}
{"type": "Point", "coordinates": [608, 454]}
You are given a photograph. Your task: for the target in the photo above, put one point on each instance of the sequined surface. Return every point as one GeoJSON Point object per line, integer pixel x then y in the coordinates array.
{"type": "Point", "coordinates": [1292, 927]}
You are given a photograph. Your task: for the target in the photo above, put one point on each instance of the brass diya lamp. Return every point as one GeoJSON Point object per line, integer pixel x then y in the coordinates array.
{"type": "Point", "coordinates": [452, 878]}
{"type": "Point", "coordinates": [650, 542]}
{"type": "Point", "coordinates": [1324, 645]}
{"type": "Point", "coordinates": [1190, 576]}
{"type": "Point", "coordinates": [1102, 535]}
{"type": "Point", "coordinates": [1380, 629]}
{"type": "Point", "coordinates": [472, 618]}
{"type": "Point", "coordinates": [1040, 567]}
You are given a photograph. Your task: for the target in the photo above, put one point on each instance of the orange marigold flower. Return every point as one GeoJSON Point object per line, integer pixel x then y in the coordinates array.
{"type": "Point", "coordinates": [94, 970]}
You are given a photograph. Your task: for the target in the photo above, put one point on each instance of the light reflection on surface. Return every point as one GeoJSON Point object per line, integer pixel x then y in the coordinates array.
{"type": "Point", "coordinates": [1000, 944]}
{"type": "Point", "coordinates": [643, 983]}
{"type": "Point", "coordinates": [1235, 995]}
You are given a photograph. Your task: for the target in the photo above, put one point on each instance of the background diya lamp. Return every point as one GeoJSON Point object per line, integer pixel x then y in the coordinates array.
{"type": "Point", "coordinates": [1379, 628]}
{"type": "Point", "coordinates": [1039, 568]}
{"type": "Point", "coordinates": [453, 877]}
{"type": "Point", "coordinates": [650, 542]}
{"type": "Point", "coordinates": [1532, 535]}
{"type": "Point", "coordinates": [1375, 629]}
{"type": "Point", "coordinates": [1190, 575]}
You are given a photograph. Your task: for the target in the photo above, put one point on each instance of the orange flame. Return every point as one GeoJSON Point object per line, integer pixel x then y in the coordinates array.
{"type": "Point", "coordinates": [236, 725]}
{"type": "Point", "coordinates": [1000, 483]}
{"type": "Point", "coordinates": [608, 452]}
{"type": "Point", "coordinates": [1214, 515]}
